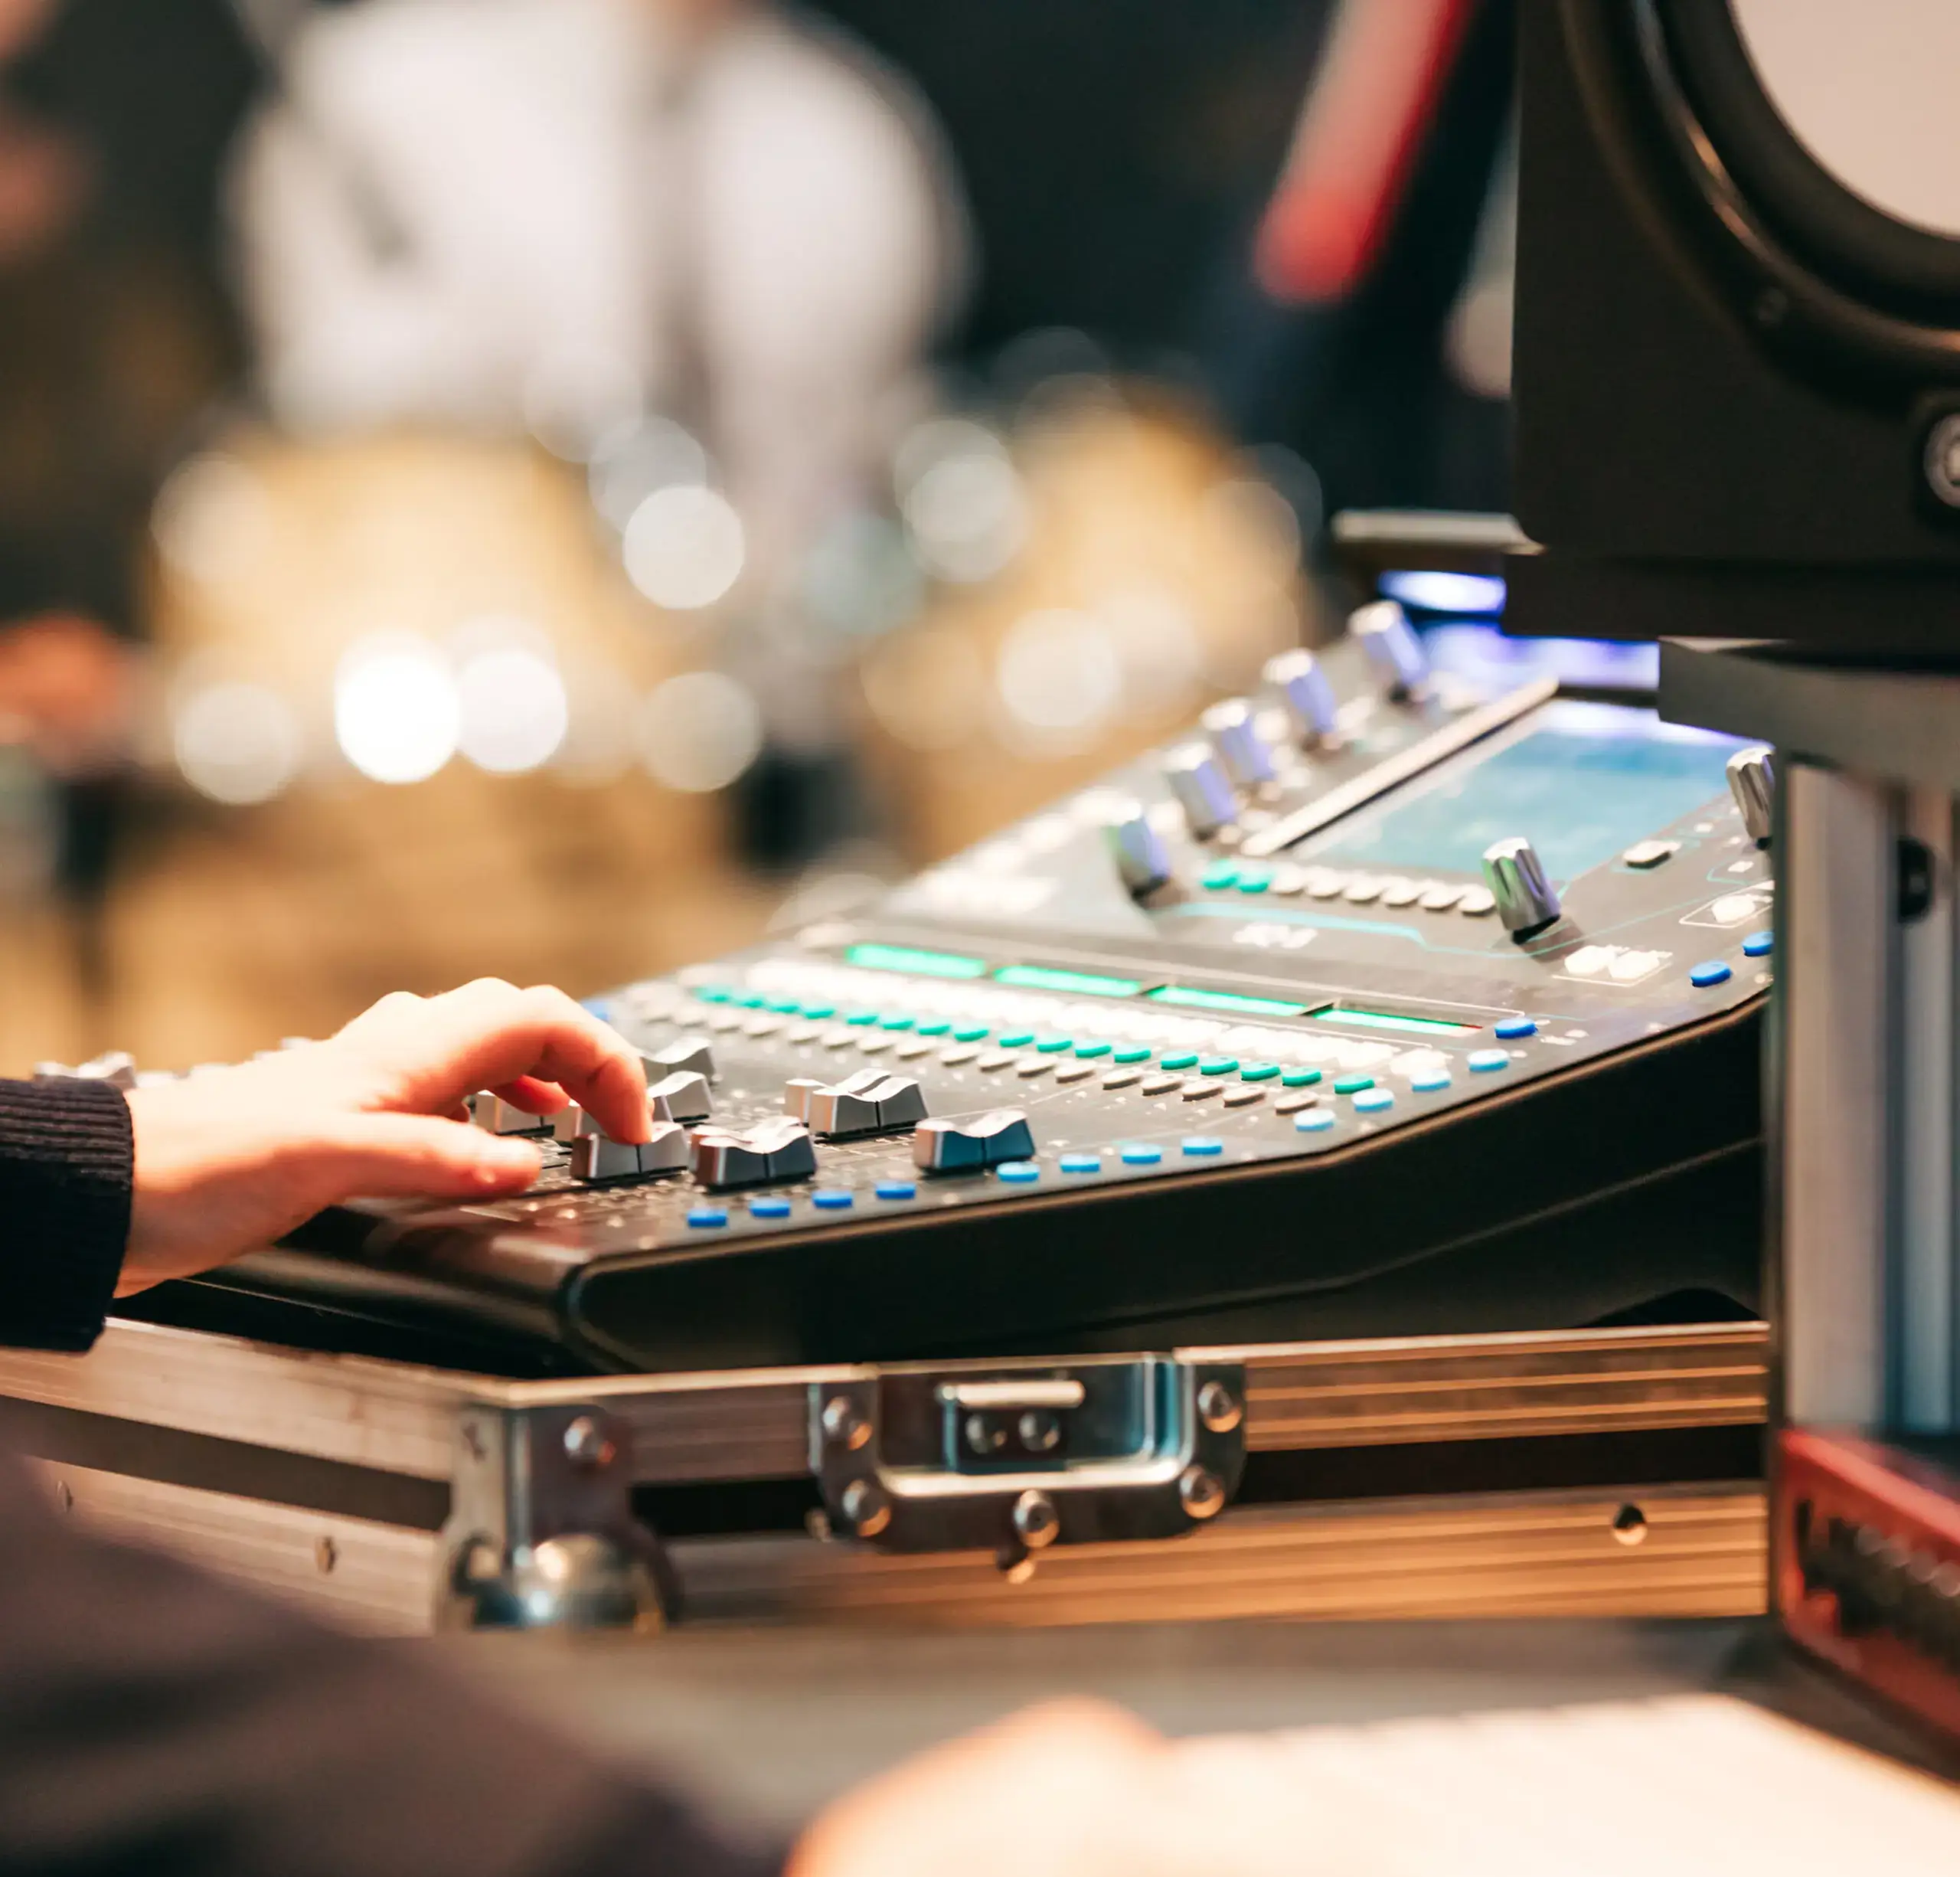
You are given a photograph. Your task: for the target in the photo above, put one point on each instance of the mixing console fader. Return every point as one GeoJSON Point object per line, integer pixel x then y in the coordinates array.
{"type": "Point", "coordinates": [1379, 1004]}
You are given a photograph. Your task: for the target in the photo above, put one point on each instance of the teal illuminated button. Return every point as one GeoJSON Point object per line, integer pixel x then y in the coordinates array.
{"type": "Point", "coordinates": [1142, 1155]}
{"type": "Point", "coordinates": [1018, 1172]}
{"type": "Point", "coordinates": [1184, 1059]}
{"type": "Point", "coordinates": [1202, 1146]}
{"type": "Point", "coordinates": [1090, 1050]}
{"type": "Point", "coordinates": [1429, 1083]}
{"type": "Point", "coordinates": [831, 1199]}
{"type": "Point", "coordinates": [897, 1020]}
{"type": "Point", "coordinates": [1315, 1121]}
{"type": "Point", "coordinates": [820, 1012]}
{"type": "Point", "coordinates": [862, 1018]}
{"type": "Point", "coordinates": [1299, 1078]}
{"type": "Point", "coordinates": [1135, 1055]}
{"type": "Point", "coordinates": [1483, 1061]}
{"type": "Point", "coordinates": [712, 993]}
{"type": "Point", "coordinates": [750, 1000]}
{"type": "Point", "coordinates": [784, 1006]}
{"type": "Point", "coordinates": [1757, 945]}
{"type": "Point", "coordinates": [769, 1208]}
{"type": "Point", "coordinates": [1372, 1100]}
{"type": "Point", "coordinates": [707, 1217]}
{"type": "Point", "coordinates": [1017, 1039]}
{"type": "Point", "coordinates": [1354, 1084]}
{"type": "Point", "coordinates": [972, 1033]}
{"type": "Point", "coordinates": [1714, 972]}
{"type": "Point", "coordinates": [938, 1027]}
{"type": "Point", "coordinates": [1081, 1163]}
{"type": "Point", "coordinates": [1217, 879]}
{"type": "Point", "coordinates": [1259, 1071]}
{"type": "Point", "coordinates": [1055, 1045]}
{"type": "Point", "coordinates": [1218, 1065]}
{"type": "Point", "coordinates": [1254, 879]}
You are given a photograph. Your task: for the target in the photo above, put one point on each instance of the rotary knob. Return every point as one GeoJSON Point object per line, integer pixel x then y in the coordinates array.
{"type": "Point", "coordinates": [1752, 781]}
{"type": "Point", "coordinates": [870, 1102]}
{"type": "Point", "coordinates": [1311, 707]}
{"type": "Point", "coordinates": [1382, 630]}
{"type": "Point", "coordinates": [777, 1149]}
{"type": "Point", "coordinates": [1232, 727]}
{"type": "Point", "coordinates": [680, 1097]}
{"type": "Point", "coordinates": [597, 1156]}
{"type": "Point", "coordinates": [1203, 791]}
{"type": "Point", "coordinates": [1526, 900]}
{"type": "Point", "coordinates": [690, 1053]}
{"type": "Point", "coordinates": [970, 1142]}
{"type": "Point", "coordinates": [1143, 861]}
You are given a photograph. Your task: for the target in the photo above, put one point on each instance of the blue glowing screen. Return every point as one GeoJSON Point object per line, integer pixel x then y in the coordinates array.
{"type": "Point", "coordinates": [1584, 782]}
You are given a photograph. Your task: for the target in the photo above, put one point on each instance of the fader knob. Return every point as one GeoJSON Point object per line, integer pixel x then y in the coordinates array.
{"type": "Point", "coordinates": [777, 1149]}
{"type": "Point", "coordinates": [1311, 707]}
{"type": "Point", "coordinates": [597, 1156]}
{"type": "Point", "coordinates": [969, 1143]}
{"type": "Point", "coordinates": [1199, 784]}
{"type": "Point", "coordinates": [870, 1102]}
{"type": "Point", "coordinates": [1526, 900]}
{"type": "Point", "coordinates": [1232, 727]}
{"type": "Point", "coordinates": [1752, 781]}
{"type": "Point", "coordinates": [1143, 861]}
{"type": "Point", "coordinates": [689, 1053]}
{"type": "Point", "coordinates": [680, 1097]}
{"type": "Point", "coordinates": [1382, 632]}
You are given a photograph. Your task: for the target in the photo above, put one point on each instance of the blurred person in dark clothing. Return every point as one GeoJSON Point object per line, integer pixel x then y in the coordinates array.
{"type": "Point", "coordinates": [155, 1721]}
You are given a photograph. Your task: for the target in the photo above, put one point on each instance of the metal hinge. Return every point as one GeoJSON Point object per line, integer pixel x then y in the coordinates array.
{"type": "Point", "coordinates": [1014, 1457]}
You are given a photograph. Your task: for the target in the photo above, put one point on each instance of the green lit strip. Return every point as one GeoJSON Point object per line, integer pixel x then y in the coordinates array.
{"type": "Point", "coordinates": [920, 964]}
{"type": "Point", "coordinates": [1083, 983]}
{"type": "Point", "coordinates": [1226, 1000]}
{"type": "Point", "coordinates": [1382, 1020]}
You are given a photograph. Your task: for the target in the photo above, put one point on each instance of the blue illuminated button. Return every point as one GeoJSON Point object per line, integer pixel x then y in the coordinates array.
{"type": "Point", "coordinates": [864, 1019]}
{"type": "Point", "coordinates": [1430, 1084]}
{"type": "Point", "coordinates": [1215, 879]}
{"type": "Point", "coordinates": [1714, 972]}
{"type": "Point", "coordinates": [1372, 1100]}
{"type": "Point", "coordinates": [1259, 1071]}
{"type": "Point", "coordinates": [1081, 1163]}
{"type": "Point", "coordinates": [1018, 1172]}
{"type": "Point", "coordinates": [1091, 1049]}
{"type": "Point", "coordinates": [897, 1189]}
{"type": "Point", "coordinates": [1016, 1039]}
{"type": "Point", "coordinates": [1483, 1060]}
{"type": "Point", "coordinates": [1299, 1078]}
{"type": "Point", "coordinates": [598, 1007]}
{"type": "Point", "coordinates": [831, 1199]}
{"type": "Point", "coordinates": [1142, 1155]}
{"type": "Point", "coordinates": [970, 1033]}
{"type": "Point", "coordinates": [1757, 945]}
{"type": "Point", "coordinates": [1055, 1045]}
{"type": "Point", "coordinates": [938, 1027]}
{"type": "Point", "coordinates": [1184, 1059]}
{"type": "Point", "coordinates": [1202, 1146]}
{"type": "Point", "coordinates": [706, 1217]}
{"type": "Point", "coordinates": [1131, 1055]}
{"type": "Point", "coordinates": [1353, 1085]}
{"type": "Point", "coordinates": [898, 1020]}
{"type": "Point", "coordinates": [1513, 1029]}
{"type": "Point", "coordinates": [1315, 1121]}
{"type": "Point", "coordinates": [768, 1208]}
{"type": "Point", "coordinates": [1218, 1065]}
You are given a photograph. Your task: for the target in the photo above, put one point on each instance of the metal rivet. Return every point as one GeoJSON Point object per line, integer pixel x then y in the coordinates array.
{"type": "Point", "coordinates": [1036, 1521]}
{"type": "Point", "coordinates": [1218, 1407]}
{"type": "Point", "coordinates": [867, 1509]}
{"type": "Point", "coordinates": [1630, 1524]}
{"type": "Point", "coordinates": [586, 1444]}
{"type": "Point", "coordinates": [843, 1424]}
{"type": "Point", "coordinates": [326, 1554]}
{"type": "Point", "coordinates": [1202, 1493]}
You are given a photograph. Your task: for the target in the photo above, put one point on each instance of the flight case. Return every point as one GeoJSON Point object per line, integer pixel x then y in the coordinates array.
{"type": "Point", "coordinates": [1609, 1472]}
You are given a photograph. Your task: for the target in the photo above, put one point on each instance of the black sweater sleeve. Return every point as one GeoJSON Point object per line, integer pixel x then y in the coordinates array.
{"type": "Point", "coordinates": [65, 1163]}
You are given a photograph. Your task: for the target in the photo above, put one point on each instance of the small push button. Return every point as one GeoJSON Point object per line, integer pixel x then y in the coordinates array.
{"type": "Point", "coordinates": [1704, 975]}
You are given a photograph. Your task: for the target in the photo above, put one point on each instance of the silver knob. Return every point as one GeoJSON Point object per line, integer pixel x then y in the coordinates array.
{"type": "Point", "coordinates": [597, 1156]}
{"type": "Point", "coordinates": [680, 1097]}
{"type": "Point", "coordinates": [1202, 790]}
{"type": "Point", "coordinates": [690, 1053]}
{"type": "Point", "coordinates": [870, 1102]}
{"type": "Point", "coordinates": [1752, 781]}
{"type": "Point", "coordinates": [1143, 862]}
{"type": "Point", "coordinates": [1382, 630]}
{"type": "Point", "coordinates": [571, 1123]}
{"type": "Point", "coordinates": [973, 1142]}
{"type": "Point", "coordinates": [496, 1115]}
{"type": "Point", "coordinates": [1311, 705]}
{"type": "Point", "coordinates": [1232, 727]}
{"type": "Point", "coordinates": [1526, 901]}
{"type": "Point", "coordinates": [777, 1149]}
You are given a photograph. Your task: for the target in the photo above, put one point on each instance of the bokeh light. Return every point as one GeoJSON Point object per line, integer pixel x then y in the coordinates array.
{"type": "Point", "coordinates": [513, 710]}
{"type": "Point", "coordinates": [397, 715]}
{"type": "Point", "coordinates": [699, 731]}
{"type": "Point", "coordinates": [1059, 675]}
{"type": "Point", "coordinates": [684, 547]}
{"type": "Point", "coordinates": [961, 498]}
{"type": "Point", "coordinates": [236, 742]}
{"type": "Point", "coordinates": [212, 520]}
{"type": "Point", "coordinates": [637, 460]}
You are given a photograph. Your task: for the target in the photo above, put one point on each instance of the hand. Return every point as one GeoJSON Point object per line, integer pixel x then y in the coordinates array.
{"type": "Point", "coordinates": [229, 1160]}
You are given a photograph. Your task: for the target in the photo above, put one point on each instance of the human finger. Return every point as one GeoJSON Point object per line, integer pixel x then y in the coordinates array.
{"type": "Point", "coordinates": [410, 1156]}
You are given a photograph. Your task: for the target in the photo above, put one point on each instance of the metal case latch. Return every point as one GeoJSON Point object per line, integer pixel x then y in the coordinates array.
{"type": "Point", "coordinates": [1012, 1458]}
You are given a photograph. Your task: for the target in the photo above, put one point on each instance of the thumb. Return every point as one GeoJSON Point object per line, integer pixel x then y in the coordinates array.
{"type": "Point", "coordinates": [418, 1156]}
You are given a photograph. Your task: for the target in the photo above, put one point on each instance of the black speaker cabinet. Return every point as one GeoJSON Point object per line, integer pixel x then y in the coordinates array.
{"type": "Point", "coordinates": [1737, 363]}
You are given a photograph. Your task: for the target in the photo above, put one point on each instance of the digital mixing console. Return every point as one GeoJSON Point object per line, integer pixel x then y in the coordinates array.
{"type": "Point", "coordinates": [1380, 1005]}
